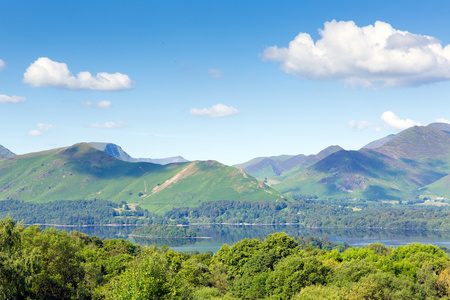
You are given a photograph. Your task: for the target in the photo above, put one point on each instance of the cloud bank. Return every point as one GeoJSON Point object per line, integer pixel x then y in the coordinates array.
{"type": "Point", "coordinates": [216, 111]}
{"type": "Point", "coordinates": [101, 104]}
{"type": "Point", "coordinates": [11, 99]}
{"type": "Point", "coordinates": [2, 64]}
{"type": "Point", "coordinates": [109, 125]}
{"type": "Point", "coordinates": [46, 72]}
{"type": "Point", "coordinates": [394, 122]}
{"type": "Point", "coordinates": [371, 56]}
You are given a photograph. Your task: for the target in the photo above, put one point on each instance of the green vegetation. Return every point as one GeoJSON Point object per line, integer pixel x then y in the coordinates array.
{"type": "Point", "coordinates": [82, 172]}
{"type": "Point", "coordinates": [319, 213]}
{"type": "Point", "coordinates": [76, 212]}
{"type": "Point", "coordinates": [52, 264]}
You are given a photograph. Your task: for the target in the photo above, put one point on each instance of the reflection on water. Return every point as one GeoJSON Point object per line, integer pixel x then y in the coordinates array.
{"type": "Point", "coordinates": [230, 234]}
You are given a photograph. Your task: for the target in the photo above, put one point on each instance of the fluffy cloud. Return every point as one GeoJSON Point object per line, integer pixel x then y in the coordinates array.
{"type": "Point", "coordinates": [119, 124]}
{"type": "Point", "coordinates": [11, 99]}
{"type": "Point", "coordinates": [2, 64]}
{"type": "Point", "coordinates": [101, 104]}
{"type": "Point", "coordinates": [215, 73]}
{"type": "Point", "coordinates": [45, 72]}
{"type": "Point", "coordinates": [215, 111]}
{"type": "Point", "coordinates": [359, 125]}
{"type": "Point", "coordinates": [39, 128]}
{"type": "Point", "coordinates": [394, 122]}
{"type": "Point", "coordinates": [440, 120]}
{"type": "Point", "coordinates": [372, 56]}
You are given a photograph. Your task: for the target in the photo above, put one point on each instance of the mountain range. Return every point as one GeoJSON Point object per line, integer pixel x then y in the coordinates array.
{"type": "Point", "coordinates": [413, 163]}
{"type": "Point", "coordinates": [83, 172]}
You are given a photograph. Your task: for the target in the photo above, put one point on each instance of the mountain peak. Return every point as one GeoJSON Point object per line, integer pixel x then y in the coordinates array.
{"type": "Point", "coordinates": [5, 152]}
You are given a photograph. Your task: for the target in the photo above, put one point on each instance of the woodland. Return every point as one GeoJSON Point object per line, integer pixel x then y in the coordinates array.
{"type": "Point", "coordinates": [53, 264]}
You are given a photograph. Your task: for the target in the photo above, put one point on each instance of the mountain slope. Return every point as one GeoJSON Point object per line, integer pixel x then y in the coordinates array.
{"type": "Point", "coordinates": [307, 162]}
{"type": "Point", "coordinates": [5, 153]}
{"type": "Point", "coordinates": [418, 142]}
{"type": "Point", "coordinates": [113, 150]}
{"type": "Point", "coordinates": [412, 162]}
{"type": "Point", "coordinates": [263, 167]}
{"type": "Point", "coordinates": [117, 152]}
{"type": "Point", "coordinates": [83, 172]}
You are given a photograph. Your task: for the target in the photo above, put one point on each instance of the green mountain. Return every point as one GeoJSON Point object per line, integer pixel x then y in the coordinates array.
{"type": "Point", "coordinates": [5, 153]}
{"type": "Point", "coordinates": [276, 168]}
{"type": "Point", "coordinates": [409, 164]}
{"type": "Point", "coordinates": [263, 167]}
{"type": "Point", "coordinates": [83, 172]}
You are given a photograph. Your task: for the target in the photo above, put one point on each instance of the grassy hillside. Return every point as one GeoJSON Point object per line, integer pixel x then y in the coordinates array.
{"type": "Point", "coordinates": [307, 162]}
{"type": "Point", "coordinates": [362, 174]}
{"type": "Point", "coordinates": [82, 172]}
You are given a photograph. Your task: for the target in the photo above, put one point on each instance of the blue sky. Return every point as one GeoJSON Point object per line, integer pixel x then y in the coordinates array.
{"type": "Point", "coordinates": [221, 80]}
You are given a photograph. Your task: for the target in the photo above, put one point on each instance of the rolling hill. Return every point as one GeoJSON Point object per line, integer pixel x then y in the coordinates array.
{"type": "Point", "coordinates": [83, 172]}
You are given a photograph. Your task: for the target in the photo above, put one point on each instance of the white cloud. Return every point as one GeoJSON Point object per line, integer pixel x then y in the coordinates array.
{"type": "Point", "coordinates": [359, 125]}
{"type": "Point", "coordinates": [215, 111]}
{"type": "Point", "coordinates": [440, 120]}
{"type": "Point", "coordinates": [43, 126]}
{"type": "Point", "coordinates": [394, 122]}
{"type": "Point", "coordinates": [45, 72]}
{"type": "Point", "coordinates": [371, 56]}
{"type": "Point", "coordinates": [119, 124]}
{"type": "Point", "coordinates": [215, 73]}
{"type": "Point", "coordinates": [39, 128]}
{"type": "Point", "coordinates": [101, 104]}
{"type": "Point", "coordinates": [11, 99]}
{"type": "Point", "coordinates": [34, 132]}
{"type": "Point", "coordinates": [2, 64]}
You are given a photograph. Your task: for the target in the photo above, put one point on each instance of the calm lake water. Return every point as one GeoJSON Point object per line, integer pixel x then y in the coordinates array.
{"type": "Point", "coordinates": [217, 235]}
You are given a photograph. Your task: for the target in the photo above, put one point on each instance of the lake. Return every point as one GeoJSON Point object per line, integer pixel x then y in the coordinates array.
{"type": "Point", "coordinates": [217, 235]}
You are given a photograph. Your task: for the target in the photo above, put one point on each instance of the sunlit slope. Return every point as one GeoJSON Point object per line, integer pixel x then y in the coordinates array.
{"type": "Point", "coordinates": [82, 172]}
{"type": "Point", "coordinates": [202, 181]}
{"type": "Point", "coordinates": [400, 169]}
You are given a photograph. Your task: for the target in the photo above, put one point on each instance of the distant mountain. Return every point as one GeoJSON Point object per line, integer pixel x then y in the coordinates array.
{"type": "Point", "coordinates": [262, 167]}
{"type": "Point", "coordinates": [114, 150]}
{"type": "Point", "coordinates": [441, 126]}
{"type": "Point", "coordinates": [117, 152]}
{"type": "Point", "coordinates": [274, 166]}
{"type": "Point", "coordinates": [418, 142]}
{"type": "Point", "coordinates": [83, 172]}
{"type": "Point", "coordinates": [409, 164]}
{"type": "Point", "coordinates": [378, 143]}
{"type": "Point", "coordinates": [5, 153]}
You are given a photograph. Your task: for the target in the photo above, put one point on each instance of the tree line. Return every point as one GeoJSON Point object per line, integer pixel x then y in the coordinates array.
{"type": "Point", "coordinates": [52, 264]}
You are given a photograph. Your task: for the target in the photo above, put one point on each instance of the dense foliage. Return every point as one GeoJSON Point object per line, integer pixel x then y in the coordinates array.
{"type": "Point", "coordinates": [51, 264]}
{"type": "Point", "coordinates": [75, 212]}
{"type": "Point", "coordinates": [318, 213]}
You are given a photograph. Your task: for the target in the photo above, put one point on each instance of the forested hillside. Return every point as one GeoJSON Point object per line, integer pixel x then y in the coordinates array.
{"type": "Point", "coordinates": [53, 264]}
